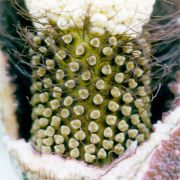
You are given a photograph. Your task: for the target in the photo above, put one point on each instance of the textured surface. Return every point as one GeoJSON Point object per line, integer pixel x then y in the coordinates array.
{"type": "Point", "coordinates": [165, 163]}
{"type": "Point", "coordinates": [115, 16]}
{"type": "Point", "coordinates": [131, 166]}
{"type": "Point", "coordinates": [91, 95]}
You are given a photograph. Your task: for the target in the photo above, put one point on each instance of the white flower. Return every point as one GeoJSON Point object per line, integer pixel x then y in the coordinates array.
{"type": "Point", "coordinates": [115, 16]}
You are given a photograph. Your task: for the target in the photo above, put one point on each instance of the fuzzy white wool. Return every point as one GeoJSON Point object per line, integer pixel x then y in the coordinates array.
{"type": "Point", "coordinates": [115, 16]}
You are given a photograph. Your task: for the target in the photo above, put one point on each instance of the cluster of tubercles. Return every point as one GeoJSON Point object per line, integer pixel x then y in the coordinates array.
{"type": "Point", "coordinates": [90, 95]}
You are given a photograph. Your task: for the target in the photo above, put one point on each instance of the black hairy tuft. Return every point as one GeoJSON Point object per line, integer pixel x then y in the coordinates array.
{"type": "Point", "coordinates": [166, 49]}
{"type": "Point", "coordinates": [11, 43]}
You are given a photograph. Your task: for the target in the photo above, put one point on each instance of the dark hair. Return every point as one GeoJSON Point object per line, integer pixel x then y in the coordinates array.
{"type": "Point", "coordinates": [11, 44]}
